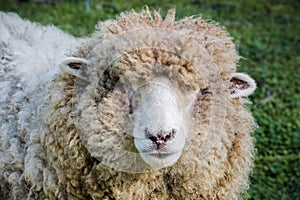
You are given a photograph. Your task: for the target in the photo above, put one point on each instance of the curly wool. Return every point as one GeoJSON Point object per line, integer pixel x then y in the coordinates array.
{"type": "Point", "coordinates": [81, 117]}
{"type": "Point", "coordinates": [27, 65]}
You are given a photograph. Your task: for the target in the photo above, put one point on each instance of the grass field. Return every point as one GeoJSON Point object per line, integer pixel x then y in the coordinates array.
{"type": "Point", "coordinates": [267, 34]}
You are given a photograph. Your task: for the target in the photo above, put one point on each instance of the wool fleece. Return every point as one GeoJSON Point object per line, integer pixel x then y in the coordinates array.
{"type": "Point", "coordinates": [145, 108]}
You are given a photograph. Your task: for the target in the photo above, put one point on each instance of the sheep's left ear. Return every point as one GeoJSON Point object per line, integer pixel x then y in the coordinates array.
{"type": "Point", "coordinates": [74, 66]}
{"type": "Point", "coordinates": [242, 85]}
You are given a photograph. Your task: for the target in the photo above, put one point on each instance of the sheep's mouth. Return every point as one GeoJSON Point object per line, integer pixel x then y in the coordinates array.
{"type": "Point", "coordinates": [160, 155]}
{"type": "Point", "coordinates": [159, 159]}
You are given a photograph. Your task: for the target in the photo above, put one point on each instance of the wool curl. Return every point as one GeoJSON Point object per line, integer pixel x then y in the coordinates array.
{"type": "Point", "coordinates": [72, 150]}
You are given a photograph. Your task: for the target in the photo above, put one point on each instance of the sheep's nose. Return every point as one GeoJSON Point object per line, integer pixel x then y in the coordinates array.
{"type": "Point", "coordinates": [161, 138]}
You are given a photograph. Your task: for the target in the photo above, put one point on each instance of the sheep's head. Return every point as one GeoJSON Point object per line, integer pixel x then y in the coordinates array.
{"type": "Point", "coordinates": [146, 88]}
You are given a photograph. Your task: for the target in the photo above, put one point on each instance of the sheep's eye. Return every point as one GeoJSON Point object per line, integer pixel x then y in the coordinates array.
{"type": "Point", "coordinates": [205, 91]}
{"type": "Point", "coordinates": [131, 102]}
{"type": "Point", "coordinates": [131, 106]}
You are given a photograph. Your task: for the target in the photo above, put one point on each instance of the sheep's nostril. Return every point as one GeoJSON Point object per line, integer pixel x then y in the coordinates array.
{"type": "Point", "coordinates": [161, 138]}
{"type": "Point", "coordinates": [154, 139]}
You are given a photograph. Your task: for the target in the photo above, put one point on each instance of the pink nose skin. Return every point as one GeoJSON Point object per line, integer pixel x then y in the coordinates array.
{"type": "Point", "coordinates": [161, 138]}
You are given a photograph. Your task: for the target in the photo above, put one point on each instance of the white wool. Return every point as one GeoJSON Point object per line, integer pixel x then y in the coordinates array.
{"type": "Point", "coordinates": [45, 46]}
{"type": "Point", "coordinates": [29, 58]}
{"type": "Point", "coordinates": [42, 155]}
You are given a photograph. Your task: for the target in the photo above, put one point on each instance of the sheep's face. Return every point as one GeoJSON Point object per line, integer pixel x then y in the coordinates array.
{"type": "Point", "coordinates": [160, 113]}
{"type": "Point", "coordinates": [140, 117]}
{"type": "Point", "coordinates": [141, 105]}
{"type": "Point", "coordinates": [144, 115]}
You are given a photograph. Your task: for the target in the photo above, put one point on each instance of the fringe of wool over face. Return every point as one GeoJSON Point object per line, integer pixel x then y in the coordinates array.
{"type": "Point", "coordinates": [146, 108]}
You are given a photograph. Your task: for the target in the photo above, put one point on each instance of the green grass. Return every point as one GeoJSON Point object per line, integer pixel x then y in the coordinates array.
{"type": "Point", "coordinates": [268, 37]}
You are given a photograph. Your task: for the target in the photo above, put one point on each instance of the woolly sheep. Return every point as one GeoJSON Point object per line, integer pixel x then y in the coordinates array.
{"type": "Point", "coordinates": [146, 108]}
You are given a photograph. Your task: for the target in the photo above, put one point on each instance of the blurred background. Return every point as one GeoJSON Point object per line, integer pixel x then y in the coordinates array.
{"type": "Point", "coordinates": [267, 35]}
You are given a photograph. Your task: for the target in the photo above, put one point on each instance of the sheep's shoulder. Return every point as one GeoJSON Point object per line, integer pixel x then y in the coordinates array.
{"type": "Point", "coordinates": [29, 58]}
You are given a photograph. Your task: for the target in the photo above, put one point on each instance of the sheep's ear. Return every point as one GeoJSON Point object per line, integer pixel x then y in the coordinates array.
{"type": "Point", "coordinates": [242, 85]}
{"type": "Point", "coordinates": [73, 66]}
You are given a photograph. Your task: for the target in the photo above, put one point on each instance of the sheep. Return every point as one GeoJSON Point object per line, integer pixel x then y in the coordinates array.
{"type": "Point", "coordinates": [145, 108]}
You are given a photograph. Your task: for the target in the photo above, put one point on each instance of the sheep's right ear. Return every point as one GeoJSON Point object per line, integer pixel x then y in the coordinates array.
{"type": "Point", "coordinates": [242, 85]}
{"type": "Point", "coordinates": [73, 66]}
